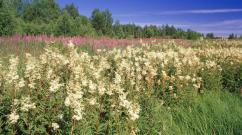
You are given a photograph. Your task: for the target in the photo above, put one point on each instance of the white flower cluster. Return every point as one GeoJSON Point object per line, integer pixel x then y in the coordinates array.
{"type": "Point", "coordinates": [32, 72]}
{"type": "Point", "coordinates": [12, 76]}
{"type": "Point", "coordinates": [55, 85]}
{"type": "Point", "coordinates": [26, 104]}
{"type": "Point", "coordinates": [133, 108]}
{"type": "Point", "coordinates": [13, 117]}
{"type": "Point", "coordinates": [23, 105]}
{"type": "Point", "coordinates": [55, 126]}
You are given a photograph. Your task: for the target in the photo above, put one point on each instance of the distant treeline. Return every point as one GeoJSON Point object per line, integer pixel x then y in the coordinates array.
{"type": "Point", "coordinates": [35, 17]}
{"type": "Point", "coordinates": [231, 36]}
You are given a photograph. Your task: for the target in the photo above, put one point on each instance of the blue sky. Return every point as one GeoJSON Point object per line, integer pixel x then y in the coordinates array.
{"type": "Point", "coordinates": [221, 17]}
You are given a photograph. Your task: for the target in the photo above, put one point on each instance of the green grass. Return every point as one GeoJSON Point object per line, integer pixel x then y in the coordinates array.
{"type": "Point", "coordinates": [213, 113]}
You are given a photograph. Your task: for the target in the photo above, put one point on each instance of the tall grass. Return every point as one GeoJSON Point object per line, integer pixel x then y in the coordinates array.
{"type": "Point", "coordinates": [213, 113]}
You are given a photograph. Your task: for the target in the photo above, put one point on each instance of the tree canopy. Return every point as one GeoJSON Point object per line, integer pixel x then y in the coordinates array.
{"type": "Point", "coordinates": [33, 17]}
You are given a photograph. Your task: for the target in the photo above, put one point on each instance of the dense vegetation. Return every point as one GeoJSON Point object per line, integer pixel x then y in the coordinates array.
{"type": "Point", "coordinates": [35, 17]}
{"type": "Point", "coordinates": [148, 89]}
{"type": "Point", "coordinates": [57, 77]}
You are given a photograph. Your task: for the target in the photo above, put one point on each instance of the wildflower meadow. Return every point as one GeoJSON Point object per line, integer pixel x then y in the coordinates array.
{"type": "Point", "coordinates": [150, 87]}
{"type": "Point", "coordinates": [120, 67]}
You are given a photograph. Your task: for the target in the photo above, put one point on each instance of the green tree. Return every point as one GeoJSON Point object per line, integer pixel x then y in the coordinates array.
{"type": "Point", "coordinates": [98, 21]}
{"type": "Point", "coordinates": [7, 22]}
{"type": "Point", "coordinates": [16, 6]}
{"type": "Point", "coordinates": [138, 32]}
{"type": "Point", "coordinates": [64, 25]}
{"type": "Point", "coordinates": [149, 32]}
{"type": "Point", "coordinates": [210, 36]}
{"type": "Point", "coordinates": [232, 36]}
{"type": "Point", "coordinates": [82, 27]}
{"type": "Point", "coordinates": [41, 11]}
{"type": "Point", "coordinates": [180, 34]}
{"type": "Point", "coordinates": [118, 30]}
{"type": "Point", "coordinates": [72, 10]}
{"type": "Point", "coordinates": [108, 22]}
{"type": "Point", "coordinates": [102, 22]}
{"type": "Point", "coordinates": [1, 4]}
{"type": "Point", "coordinates": [192, 35]}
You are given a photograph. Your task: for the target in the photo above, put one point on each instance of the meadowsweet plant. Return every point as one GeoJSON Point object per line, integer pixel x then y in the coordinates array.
{"type": "Point", "coordinates": [74, 92]}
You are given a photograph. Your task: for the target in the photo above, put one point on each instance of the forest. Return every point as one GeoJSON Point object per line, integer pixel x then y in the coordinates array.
{"type": "Point", "coordinates": [46, 17]}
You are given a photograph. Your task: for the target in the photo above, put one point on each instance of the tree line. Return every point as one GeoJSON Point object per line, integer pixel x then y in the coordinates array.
{"type": "Point", "coordinates": [36, 17]}
{"type": "Point", "coordinates": [230, 36]}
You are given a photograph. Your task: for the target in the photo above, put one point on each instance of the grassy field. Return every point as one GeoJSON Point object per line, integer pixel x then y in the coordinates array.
{"type": "Point", "coordinates": [154, 87]}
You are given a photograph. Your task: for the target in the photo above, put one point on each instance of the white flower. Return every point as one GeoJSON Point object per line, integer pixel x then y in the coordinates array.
{"type": "Point", "coordinates": [133, 108]}
{"type": "Point", "coordinates": [181, 77]}
{"type": "Point", "coordinates": [12, 76]}
{"type": "Point", "coordinates": [117, 78]}
{"type": "Point", "coordinates": [67, 101]}
{"type": "Point", "coordinates": [101, 89]}
{"type": "Point", "coordinates": [26, 104]}
{"type": "Point", "coordinates": [139, 76]}
{"type": "Point", "coordinates": [55, 126]}
{"type": "Point", "coordinates": [84, 83]}
{"type": "Point", "coordinates": [196, 86]}
{"type": "Point", "coordinates": [92, 87]}
{"type": "Point", "coordinates": [78, 113]}
{"type": "Point", "coordinates": [193, 79]}
{"type": "Point", "coordinates": [144, 72]}
{"type": "Point", "coordinates": [16, 102]}
{"type": "Point", "coordinates": [13, 117]}
{"type": "Point", "coordinates": [134, 112]}
{"type": "Point", "coordinates": [60, 116]}
{"type": "Point", "coordinates": [21, 83]}
{"type": "Point", "coordinates": [164, 75]}
{"type": "Point", "coordinates": [92, 101]}
{"type": "Point", "coordinates": [55, 85]}
{"type": "Point", "coordinates": [170, 87]}
{"type": "Point", "coordinates": [187, 77]}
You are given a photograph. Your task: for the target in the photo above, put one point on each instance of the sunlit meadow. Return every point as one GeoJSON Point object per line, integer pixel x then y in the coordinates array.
{"type": "Point", "coordinates": [104, 86]}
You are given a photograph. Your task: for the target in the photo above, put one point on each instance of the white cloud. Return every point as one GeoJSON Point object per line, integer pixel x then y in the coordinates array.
{"type": "Point", "coordinates": [199, 11]}
{"type": "Point", "coordinates": [179, 12]}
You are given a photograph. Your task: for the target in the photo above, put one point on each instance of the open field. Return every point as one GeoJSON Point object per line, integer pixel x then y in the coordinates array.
{"type": "Point", "coordinates": [105, 86]}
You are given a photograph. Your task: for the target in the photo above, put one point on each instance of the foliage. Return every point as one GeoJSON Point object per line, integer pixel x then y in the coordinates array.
{"type": "Point", "coordinates": [72, 10]}
{"type": "Point", "coordinates": [41, 11]}
{"type": "Point", "coordinates": [193, 35]}
{"type": "Point", "coordinates": [102, 22]}
{"type": "Point", "coordinates": [64, 25]}
{"type": "Point", "coordinates": [7, 22]}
